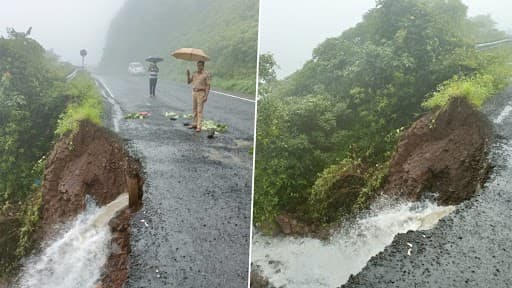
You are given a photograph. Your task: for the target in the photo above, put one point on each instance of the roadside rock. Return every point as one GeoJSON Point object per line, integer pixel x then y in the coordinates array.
{"type": "Point", "coordinates": [290, 226]}
{"type": "Point", "coordinates": [258, 280]}
{"type": "Point", "coordinates": [444, 152]}
{"type": "Point", "coordinates": [284, 223]}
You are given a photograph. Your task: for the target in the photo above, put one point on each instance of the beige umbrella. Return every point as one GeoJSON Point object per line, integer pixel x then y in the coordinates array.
{"type": "Point", "coordinates": [190, 54]}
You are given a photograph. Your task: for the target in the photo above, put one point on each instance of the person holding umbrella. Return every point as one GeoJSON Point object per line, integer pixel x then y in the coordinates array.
{"type": "Point", "coordinates": [200, 89]}
{"type": "Point", "coordinates": [153, 74]}
{"type": "Point", "coordinates": [153, 77]}
{"type": "Point", "coordinates": [200, 80]}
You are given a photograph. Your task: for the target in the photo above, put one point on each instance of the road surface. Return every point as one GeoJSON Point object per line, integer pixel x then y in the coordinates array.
{"type": "Point", "coordinates": [193, 230]}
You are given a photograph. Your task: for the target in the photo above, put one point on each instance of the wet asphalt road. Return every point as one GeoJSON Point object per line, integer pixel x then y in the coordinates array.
{"type": "Point", "coordinates": [472, 247]}
{"type": "Point", "coordinates": [193, 230]}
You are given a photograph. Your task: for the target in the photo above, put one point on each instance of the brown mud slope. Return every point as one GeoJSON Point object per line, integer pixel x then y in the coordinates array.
{"type": "Point", "coordinates": [445, 153]}
{"type": "Point", "coordinates": [92, 162]}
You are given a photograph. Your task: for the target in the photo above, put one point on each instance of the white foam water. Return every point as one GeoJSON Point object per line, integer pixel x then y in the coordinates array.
{"type": "Point", "coordinates": [306, 262]}
{"type": "Point", "coordinates": [75, 258]}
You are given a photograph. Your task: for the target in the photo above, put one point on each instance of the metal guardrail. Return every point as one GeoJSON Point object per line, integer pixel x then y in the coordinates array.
{"type": "Point", "coordinates": [71, 75]}
{"type": "Point", "coordinates": [489, 45]}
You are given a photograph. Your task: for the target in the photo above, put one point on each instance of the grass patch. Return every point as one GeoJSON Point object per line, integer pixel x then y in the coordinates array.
{"type": "Point", "coordinates": [236, 85]}
{"type": "Point", "coordinates": [477, 88]}
{"type": "Point", "coordinates": [85, 104]}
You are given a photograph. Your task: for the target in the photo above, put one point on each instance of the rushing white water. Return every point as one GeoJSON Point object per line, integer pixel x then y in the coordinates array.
{"type": "Point", "coordinates": [77, 255]}
{"type": "Point", "coordinates": [305, 262]}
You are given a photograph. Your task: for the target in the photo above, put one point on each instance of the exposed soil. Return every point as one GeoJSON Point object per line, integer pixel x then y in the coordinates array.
{"type": "Point", "coordinates": [444, 152]}
{"type": "Point", "coordinates": [93, 162]}
{"type": "Point", "coordinates": [116, 269]}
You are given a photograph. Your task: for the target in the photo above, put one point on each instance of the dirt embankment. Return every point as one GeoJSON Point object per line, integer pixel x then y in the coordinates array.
{"type": "Point", "coordinates": [93, 162]}
{"type": "Point", "coordinates": [444, 152]}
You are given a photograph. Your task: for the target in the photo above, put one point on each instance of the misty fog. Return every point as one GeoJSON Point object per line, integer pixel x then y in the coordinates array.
{"type": "Point", "coordinates": [291, 29]}
{"type": "Point", "coordinates": [64, 26]}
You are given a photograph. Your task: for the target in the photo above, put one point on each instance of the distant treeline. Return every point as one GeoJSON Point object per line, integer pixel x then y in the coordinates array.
{"type": "Point", "coordinates": [225, 29]}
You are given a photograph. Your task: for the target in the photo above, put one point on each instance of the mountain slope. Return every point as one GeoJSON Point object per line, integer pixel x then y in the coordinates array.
{"type": "Point", "coordinates": [227, 30]}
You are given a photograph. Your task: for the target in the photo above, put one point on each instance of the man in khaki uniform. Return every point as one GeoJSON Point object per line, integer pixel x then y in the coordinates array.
{"type": "Point", "coordinates": [200, 89]}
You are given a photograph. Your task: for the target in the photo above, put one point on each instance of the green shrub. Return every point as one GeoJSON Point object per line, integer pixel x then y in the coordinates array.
{"type": "Point", "coordinates": [86, 105]}
{"type": "Point", "coordinates": [335, 191]}
{"type": "Point", "coordinates": [375, 178]}
{"type": "Point", "coordinates": [29, 219]}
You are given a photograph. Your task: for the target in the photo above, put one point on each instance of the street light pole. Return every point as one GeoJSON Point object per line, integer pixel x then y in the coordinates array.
{"type": "Point", "coordinates": [83, 53]}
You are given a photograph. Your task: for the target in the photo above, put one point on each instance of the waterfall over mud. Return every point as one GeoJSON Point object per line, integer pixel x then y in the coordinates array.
{"type": "Point", "coordinates": [76, 255]}
{"type": "Point", "coordinates": [306, 262]}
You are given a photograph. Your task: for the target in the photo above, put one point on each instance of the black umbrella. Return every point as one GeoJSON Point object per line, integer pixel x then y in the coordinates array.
{"type": "Point", "coordinates": [154, 59]}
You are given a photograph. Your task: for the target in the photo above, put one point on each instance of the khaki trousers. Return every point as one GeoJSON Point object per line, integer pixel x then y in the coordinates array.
{"type": "Point", "coordinates": [197, 107]}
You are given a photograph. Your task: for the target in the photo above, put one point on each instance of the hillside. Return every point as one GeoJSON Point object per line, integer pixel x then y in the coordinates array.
{"type": "Point", "coordinates": [227, 30]}
{"type": "Point", "coordinates": [326, 133]}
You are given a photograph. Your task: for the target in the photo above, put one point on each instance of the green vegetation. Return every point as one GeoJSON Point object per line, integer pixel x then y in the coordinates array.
{"type": "Point", "coordinates": [477, 87]}
{"type": "Point", "coordinates": [340, 116]}
{"type": "Point", "coordinates": [38, 104]}
{"type": "Point", "coordinates": [31, 93]}
{"type": "Point", "coordinates": [227, 30]}
{"type": "Point", "coordinates": [85, 104]}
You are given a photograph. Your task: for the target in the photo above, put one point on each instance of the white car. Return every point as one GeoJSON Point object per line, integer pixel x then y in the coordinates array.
{"type": "Point", "coordinates": [136, 68]}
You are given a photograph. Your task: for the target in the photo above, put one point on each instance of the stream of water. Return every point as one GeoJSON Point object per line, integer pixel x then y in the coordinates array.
{"type": "Point", "coordinates": [76, 255]}
{"type": "Point", "coordinates": [306, 262]}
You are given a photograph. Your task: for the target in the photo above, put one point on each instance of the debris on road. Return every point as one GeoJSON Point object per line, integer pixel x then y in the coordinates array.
{"type": "Point", "coordinates": [137, 115]}
{"type": "Point", "coordinates": [207, 124]}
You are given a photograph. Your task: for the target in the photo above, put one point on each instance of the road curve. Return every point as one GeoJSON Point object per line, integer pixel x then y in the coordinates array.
{"type": "Point", "coordinates": [193, 230]}
{"type": "Point", "coordinates": [469, 248]}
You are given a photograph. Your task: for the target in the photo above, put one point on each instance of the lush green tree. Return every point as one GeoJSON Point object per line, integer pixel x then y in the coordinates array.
{"type": "Point", "coordinates": [266, 74]}
{"type": "Point", "coordinates": [31, 100]}
{"type": "Point", "coordinates": [483, 29]}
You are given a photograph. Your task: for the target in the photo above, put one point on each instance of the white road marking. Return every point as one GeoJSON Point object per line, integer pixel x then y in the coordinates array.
{"type": "Point", "coordinates": [106, 87]}
{"type": "Point", "coordinates": [233, 96]}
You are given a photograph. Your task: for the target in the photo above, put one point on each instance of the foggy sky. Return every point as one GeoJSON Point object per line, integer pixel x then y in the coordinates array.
{"type": "Point", "coordinates": [65, 26]}
{"type": "Point", "coordinates": [291, 29]}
